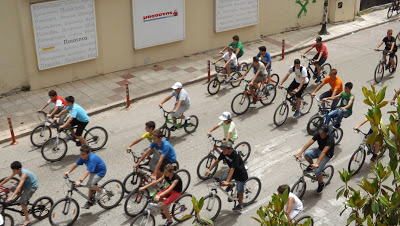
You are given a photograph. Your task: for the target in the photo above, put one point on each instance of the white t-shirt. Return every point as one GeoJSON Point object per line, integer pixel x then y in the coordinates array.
{"type": "Point", "coordinates": [233, 57]}
{"type": "Point", "coordinates": [184, 96]}
{"type": "Point", "coordinates": [299, 74]}
{"type": "Point", "coordinates": [261, 68]}
{"type": "Point", "coordinates": [58, 103]}
{"type": "Point", "coordinates": [297, 205]}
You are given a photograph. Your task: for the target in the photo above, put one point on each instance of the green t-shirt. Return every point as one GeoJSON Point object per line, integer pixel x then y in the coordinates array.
{"type": "Point", "coordinates": [238, 45]}
{"type": "Point", "coordinates": [229, 128]}
{"type": "Point", "coordinates": [345, 100]}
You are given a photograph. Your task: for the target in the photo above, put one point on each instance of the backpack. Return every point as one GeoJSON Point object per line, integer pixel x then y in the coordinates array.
{"type": "Point", "coordinates": [301, 69]}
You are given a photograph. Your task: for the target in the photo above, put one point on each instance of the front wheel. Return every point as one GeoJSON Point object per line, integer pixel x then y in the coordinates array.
{"type": "Point", "coordinates": [8, 220]}
{"type": "Point", "coordinates": [379, 70]}
{"type": "Point", "coordinates": [144, 219]}
{"type": "Point", "coordinates": [182, 206]}
{"type": "Point", "coordinates": [269, 93]}
{"type": "Point", "coordinates": [64, 212]}
{"type": "Point", "coordinates": [390, 12]}
{"type": "Point", "coordinates": [314, 124]}
{"type": "Point", "coordinates": [166, 132]}
{"type": "Point", "coordinates": [136, 202]}
{"type": "Point", "coordinates": [213, 86]}
{"type": "Point", "coordinates": [306, 103]}
{"type": "Point", "coordinates": [327, 174]}
{"type": "Point", "coordinates": [357, 160]}
{"type": "Point", "coordinates": [391, 69]}
{"type": "Point", "coordinates": [240, 104]}
{"type": "Point", "coordinates": [235, 82]}
{"type": "Point", "coordinates": [132, 182]}
{"type": "Point", "coordinates": [41, 207]}
{"type": "Point", "coordinates": [11, 185]}
{"type": "Point", "coordinates": [96, 138]}
{"type": "Point", "coordinates": [54, 149]}
{"type": "Point", "coordinates": [193, 123]}
{"type": "Point", "coordinates": [113, 192]}
{"type": "Point", "coordinates": [325, 68]}
{"type": "Point", "coordinates": [274, 79]}
{"type": "Point", "coordinates": [337, 134]}
{"type": "Point", "coordinates": [211, 207]}
{"type": "Point", "coordinates": [243, 149]}
{"type": "Point", "coordinates": [252, 188]}
{"type": "Point", "coordinates": [40, 135]}
{"type": "Point", "coordinates": [204, 165]}
{"type": "Point", "coordinates": [299, 188]}
{"type": "Point", "coordinates": [185, 177]}
{"type": "Point", "coordinates": [281, 114]}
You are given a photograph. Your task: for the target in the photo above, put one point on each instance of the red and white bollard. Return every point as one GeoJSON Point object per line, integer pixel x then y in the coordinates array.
{"type": "Point", "coordinates": [209, 68]}
{"type": "Point", "coordinates": [128, 104]}
{"type": "Point", "coordinates": [283, 49]}
{"type": "Point", "coordinates": [14, 142]}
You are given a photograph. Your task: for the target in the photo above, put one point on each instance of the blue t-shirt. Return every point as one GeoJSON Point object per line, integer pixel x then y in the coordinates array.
{"type": "Point", "coordinates": [78, 113]}
{"type": "Point", "coordinates": [165, 149]}
{"type": "Point", "coordinates": [265, 59]}
{"type": "Point", "coordinates": [31, 182]}
{"type": "Point", "coordinates": [94, 164]}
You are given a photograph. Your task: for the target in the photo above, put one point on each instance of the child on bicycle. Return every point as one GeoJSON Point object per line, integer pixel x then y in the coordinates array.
{"type": "Point", "coordinates": [346, 105]}
{"type": "Point", "coordinates": [260, 75]}
{"type": "Point", "coordinates": [390, 47]}
{"type": "Point", "coordinates": [294, 205]}
{"type": "Point", "coordinates": [26, 187]}
{"type": "Point", "coordinates": [59, 103]}
{"type": "Point", "coordinates": [230, 132]}
{"type": "Point", "coordinates": [237, 48]}
{"type": "Point", "coordinates": [320, 57]}
{"type": "Point", "coordinates": [170, 193]}
{"type": "Point", "coordinates": [231, 63]}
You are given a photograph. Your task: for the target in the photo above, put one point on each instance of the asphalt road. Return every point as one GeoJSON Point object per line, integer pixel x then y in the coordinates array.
{"type": "Point", "coordinates": [273, 148]}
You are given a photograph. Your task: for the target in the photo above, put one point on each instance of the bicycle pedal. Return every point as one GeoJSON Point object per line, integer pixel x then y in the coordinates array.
{"type": "Point", "coordinates": [230, 199]}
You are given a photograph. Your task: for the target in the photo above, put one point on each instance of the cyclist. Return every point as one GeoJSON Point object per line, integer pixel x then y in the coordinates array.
{"type": "Point", "coordinates": [390, 45]}
{"type": "Point", "coordinates": [294, 205]}
{"type": "Point", "coordinates": [323, 153]}
{"type": "Point", "coordinates": [299, 84]}
{"type": "Point", "coordinates": [58, 101]}
{"type": "Point", "coordinates": [95, 169]}
{"type": "Point", "coordinates": [259, 76]}
{"type": "Point", "coordinates": [394, 97]}
{"type": "Point", "coordinates": [230, 132]}
{"type": "Point", "coordinates": [320, 57]}
{"type": "Point", "coordinates": [231, 62]}
{"type": "Point", "coordinates": [237, 171]}
{"type": "Point", "coordinates": [265, 58]}
{"type": "Point", "coordinates": [167, 153]}
{"type": "Point", "coordinates": [170, 193]}
{"type": "Point", "coordinates": [336, 87]}
{"type": "Point", "coordinates": [376, 144]}
{"type": "Point", "coordinates": [237, 48]}
{"type": "Point", "coordinates": [182, 103]}
{"type": "Point", "coordinates": [77, 117]}
{"type": "Point", "coordinates": [26, 187]}
{"type": "Point", "coordinates": [346, 105]}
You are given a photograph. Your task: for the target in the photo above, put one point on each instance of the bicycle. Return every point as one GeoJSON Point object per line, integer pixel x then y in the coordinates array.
{"type": "Point", "coordinates": [12, 183]}
{"type": "Point", "coordinates": [192, 124]}
{"type": "Point", "coordinates": [242, 148]}
{"type": "Point", "coordinates": [41, 133]}
{"type": "Point", "coordinates": [55, 148]}
{"type": "Point", "coordinates": [66, 211]}
{"type": "Point", "coordinates": [316, 121]}
{"type": "Point", "coordinates": [382, 66]}
{"type": "Point", "coordinates": [212, 202]}
{"type": "Point", "coordinates": [241, 102]}
{"type": "Point", "coordinates": [303, 220]}
{"type": "Point", "coordinates": [299, 188]}
{"type": "Point", "coordinates": [312, 69]}
{"type": "Point", "coordinates": [282, 111]}
{"type": "Point", "coordinates": [393, 7]}
{"type": "Point", "coordinates": [215, 84]}
{"type": "Point", "coordinates": [181, 207]}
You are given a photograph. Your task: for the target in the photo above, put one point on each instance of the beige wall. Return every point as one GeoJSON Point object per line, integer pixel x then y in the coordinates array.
{"type": "Point", "coordinates": [115, 38]}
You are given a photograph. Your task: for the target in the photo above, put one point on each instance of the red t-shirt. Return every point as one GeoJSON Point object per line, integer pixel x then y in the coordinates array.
{"type": "Point", "coordinates": [322, 49]}
{"type": "Point", "coordinates": [59, 98]}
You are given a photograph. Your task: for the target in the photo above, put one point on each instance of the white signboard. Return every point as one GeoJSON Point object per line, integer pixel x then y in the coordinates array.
{"type": "Point", "coordinates": [232, 14]}
{"type": "Point", "coordinates": [65, 32]}
{"type": "Point", "coordinates": [157, 22]}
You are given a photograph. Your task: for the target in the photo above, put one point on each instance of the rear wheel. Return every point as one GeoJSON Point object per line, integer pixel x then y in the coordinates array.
{"type": "Point", "coordinates": [252, 188]}
{"type": "Point", "coordinates": [379, 70]}
{"type": "Point", "coordinates": [325, 68]}
{"type": "Point", "coordinates": [306, 103]}
{"type": "Point", "coordinates": [132, 182]}
{"type": "Point", "coordinates": [182, 206]}
{"type": "Point", "coordinates": [299, 188]}
{"type": "Point", "coordinates": [245, 66]}
{"type": "Point", "coordinates": [144, 219]}
{"type": "Point", "coordinates": [136, 202]}
{"type": "Point", "coordinates": [166, 132]}
{"type": "Point", "coordinates": [327, 174]}
{"type": "Point", "coordinates": [235, 82]}
{"type": "Point", "coordinates": [40, 135]}
{"type": "Point", "coordinates": [213, 86]}
{"type": "Point", "coordinates": [357, 160]}
{"type": "Point", "coordinates": [302, 220]}
{"type": "Point", "coordinates": [337, 134]}
{"type": "Point", "coordinates": [281, 114]}
{"type": "Point", "coordinates": [54, 149]}
{"type": "Point", "coordinates": [390, 11]}
{"type": "Point", "coordinates": [96, 137]}
{"type": "Point", "coordinates": [11, 185]}
{"type": "Point", "coordinates": [240, 104]}
{"type": "Point", "coordinates": [185, 177]}
{"type": "Point", "coordinates": [314, 124]}
{"type": "Point", "coordinates": [243, 149]}
{"type": "Point", "coordinates": [391, 69]}
{"type": "Point", "coordinates": [211, 207]}
{"type": "Point", "coordinates": [204, 165]}
{"type": "Point", "coordinates": [41, 207]}
{"type": "Point", "coordinates": [269, 93]}
{"type": "Point", "coordinates": [113, 194]}
{"type": "Point", "coordinates": [193, 123]}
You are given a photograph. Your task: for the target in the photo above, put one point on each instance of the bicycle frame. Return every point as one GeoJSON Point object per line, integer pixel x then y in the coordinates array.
{"type": "Point", "coordinates": [322, 110]}
{"type": "Point", "coordinates": [310, 68]}
{"type": "Point", "coordinates": [170, 120]}
{"type": "Point", "coordinates": [246, 91]}
{"type": "Point", "coordinates": [232, 197]}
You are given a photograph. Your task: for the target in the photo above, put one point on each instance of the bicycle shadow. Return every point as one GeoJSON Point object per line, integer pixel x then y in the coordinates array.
{"type": "Point", "coordinates": [222, 169]}
{"type": "Point", "coordinates": [226, 214]}
{"type": "Point", "coordinates": [337, 151]}
{"type": "Point", "coordinates": [289, 124]}
{"type": "Point", "coordinates": [174, 140]}
{"type": "Point", "coordinates": [225, 89]}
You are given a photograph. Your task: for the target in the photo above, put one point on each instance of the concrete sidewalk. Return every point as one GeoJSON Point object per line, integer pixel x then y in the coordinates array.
{"type": "Point", "coordinates": [148, 80]}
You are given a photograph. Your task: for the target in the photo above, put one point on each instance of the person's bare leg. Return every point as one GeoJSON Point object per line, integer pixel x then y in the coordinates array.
{"type": "Point", "coordinates": [166, 211]}
{"type": "Point", "coordinates": [318, 70]}
{"type": "Point", "coordinates": [298, 103]}
{"type": "Point", "coordinates": [26, 213]}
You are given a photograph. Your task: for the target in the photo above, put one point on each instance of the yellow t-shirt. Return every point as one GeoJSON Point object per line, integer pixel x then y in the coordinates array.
{"type": "Point", "coordinates": [148, 137]}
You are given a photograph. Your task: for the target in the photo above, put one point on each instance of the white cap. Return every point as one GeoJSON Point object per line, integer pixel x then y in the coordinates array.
{"type": "Point", "coordinates": [177, 85]}
{"type": "Point", "coordinates": [225, 116]}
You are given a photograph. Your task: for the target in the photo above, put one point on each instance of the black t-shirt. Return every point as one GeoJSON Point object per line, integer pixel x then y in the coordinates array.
{"type": "Point", "coordinates": [388, 43]}
{"type": "Point", "coordinates": [178, 187]}
{"type": "Point", "coordinates": [235, 161]}
{"type": "Point", "coordinates": [322, 143]}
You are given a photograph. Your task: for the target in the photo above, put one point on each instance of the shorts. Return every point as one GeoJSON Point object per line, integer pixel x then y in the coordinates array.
{"type": "Point", "coordinates": [321, 60]}
{"type": "Point", "coordinates": [239, 184]}
{"type": "Point", "coordinates": [294, 86]}
{"type": "Point", "coordinates": [314, 153]}
{"type": "Point", "coordinates": [93, 180]}
{"type": "Point", "coordinates": [163, 164]}
{"type": "Point", "coordinates": [171, 197]}
{"type": "Point", "coordinates": [26, 194]}
{"type": "Point", "coordinates": [180, 111]}
{"type": "Point", "coordinates": [260, 78]}
{"type": "Point", "coordinates": [391, 55]}
{"type": "Point", "coordinates": [238, 56]}
{"type": "Point", "coordinates": [233, 67]}
{"type": "Point", "coordinates": [81, 126]}
{"type": "Point", "coordinates": [329, 94]}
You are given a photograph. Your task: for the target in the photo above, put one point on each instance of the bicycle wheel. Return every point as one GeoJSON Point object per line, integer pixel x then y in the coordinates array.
{"type": "Point", "coordinates": [41, 207]}
{"type": "Point", "coordinates": [54, 149]}
{"type": "Point", "coordinates": [240, 103]}
{"type": "Point", "coordinates": [185, 177]}
{"type": "Point", "coordinates": [182, 206]}
{"type": "Point", "coordinates": [205, 164]}
{"type": "Point", "coordinates": [243, 149]}
{"type": "Point", "coordinates": [252, 188]}
{"type": "Point", "coordinates": [64, 212]}
{"type": "Point", "coordinates": [274, 79]}
{"type": "Point", "coordinates": [327, 174]}
{"type": "Point", "coordinates": [391, 70]}
{"type": "Point", "coordinates": [281, 114]}
{"type": "Point", "coordinates": [193, 124]}
{"type": "Point", "coordinates": [114, 192]}
{"type": "Point", "coordinates": [390, 12]}
{"type": "Point", "coordinates": [269, 93]}
{"type": "Point", "coordinates": [136, 202]}
{"type": "Point", "coordinates": [132, 182]}
{"type": "Point", "coordinates": [314, 124]}
{"type": "Point", "coordinates": [306, 103]}
{"type": "Point", "coordinates": [40, 135]}
{"type": "Point", "coordinates": [96, 137]}
{"type": "Point", "coordinates": [303, 220]}
{"type": "Point", "coordinates": [337, 134]}
{"type": "Point", "coordinates": [299, 188]}
{"type": "Point", "coordinates": [144, 219]}
{"type": "Point", "coordinates": [357, 160]}
{"type": "Point", "coordinates": [175, 165]}
{"type": "Point", "coordinates": [11, 185]}
{"type": "Point", "coordinates": [166, 131]}
{"type": "Point", "coordinates": [8, 220]}
{"type": "Point", "coordinates": [235, 82]}
{"type": "Point", "coordinates": [379, 70]}
{"type": "Point", "coordinates": [213, 86]}
{"type": "Point", "coordinates": [245, 66]}
{"type": "Point", "coordinates": [211, 207]}
{"type": "Point", "coordinates": [325, 68]}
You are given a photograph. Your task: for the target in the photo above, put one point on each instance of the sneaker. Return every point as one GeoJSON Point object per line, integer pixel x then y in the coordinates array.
{"type": "Point", "coordinates": [168, 223]}
{"type": "Point", "coordinates": [373, 158]}
{"type": "Point", "coordinates": [88, 204]}
{"type": "Point", "coordinates": [296, 114]}
{"type": "Point", "coordinates": [100, 193]}
{"type": "Point", "coordinates": [309, 169]}
{"type": "Point", "coordinates": [78, 143]}
{"type": "Point", "coordinates": [318, 80]}
{"type": "Point", "coordinates": [320, 187]}
{"type": "Point", "coordinates": [228, 79]}
{"type": "Point", "coordinates": [238, 208]}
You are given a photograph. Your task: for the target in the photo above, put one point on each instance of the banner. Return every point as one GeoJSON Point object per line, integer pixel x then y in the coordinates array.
{"type": "Point", "coordinates": [157, 22]}
{"type": "Point", "coordinates": [232, 14]}
{"type": "Point", "coordinates": [65, 32]}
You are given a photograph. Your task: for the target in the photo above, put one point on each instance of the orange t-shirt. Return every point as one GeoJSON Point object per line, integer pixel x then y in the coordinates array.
{"type": "Point", "coordinates": [337, 83]}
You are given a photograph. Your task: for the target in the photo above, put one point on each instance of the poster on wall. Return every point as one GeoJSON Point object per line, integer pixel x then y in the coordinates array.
{"type": "Point", "coordinates": [157, 22]}
{"type": "Point", "coordinates": [232, 14]}
{"type": "Point", "coordinates": [65, 32]}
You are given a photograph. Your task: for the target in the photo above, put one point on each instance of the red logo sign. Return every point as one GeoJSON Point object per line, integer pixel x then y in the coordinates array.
{"type": "Point", "coordinates": [158, 16]}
